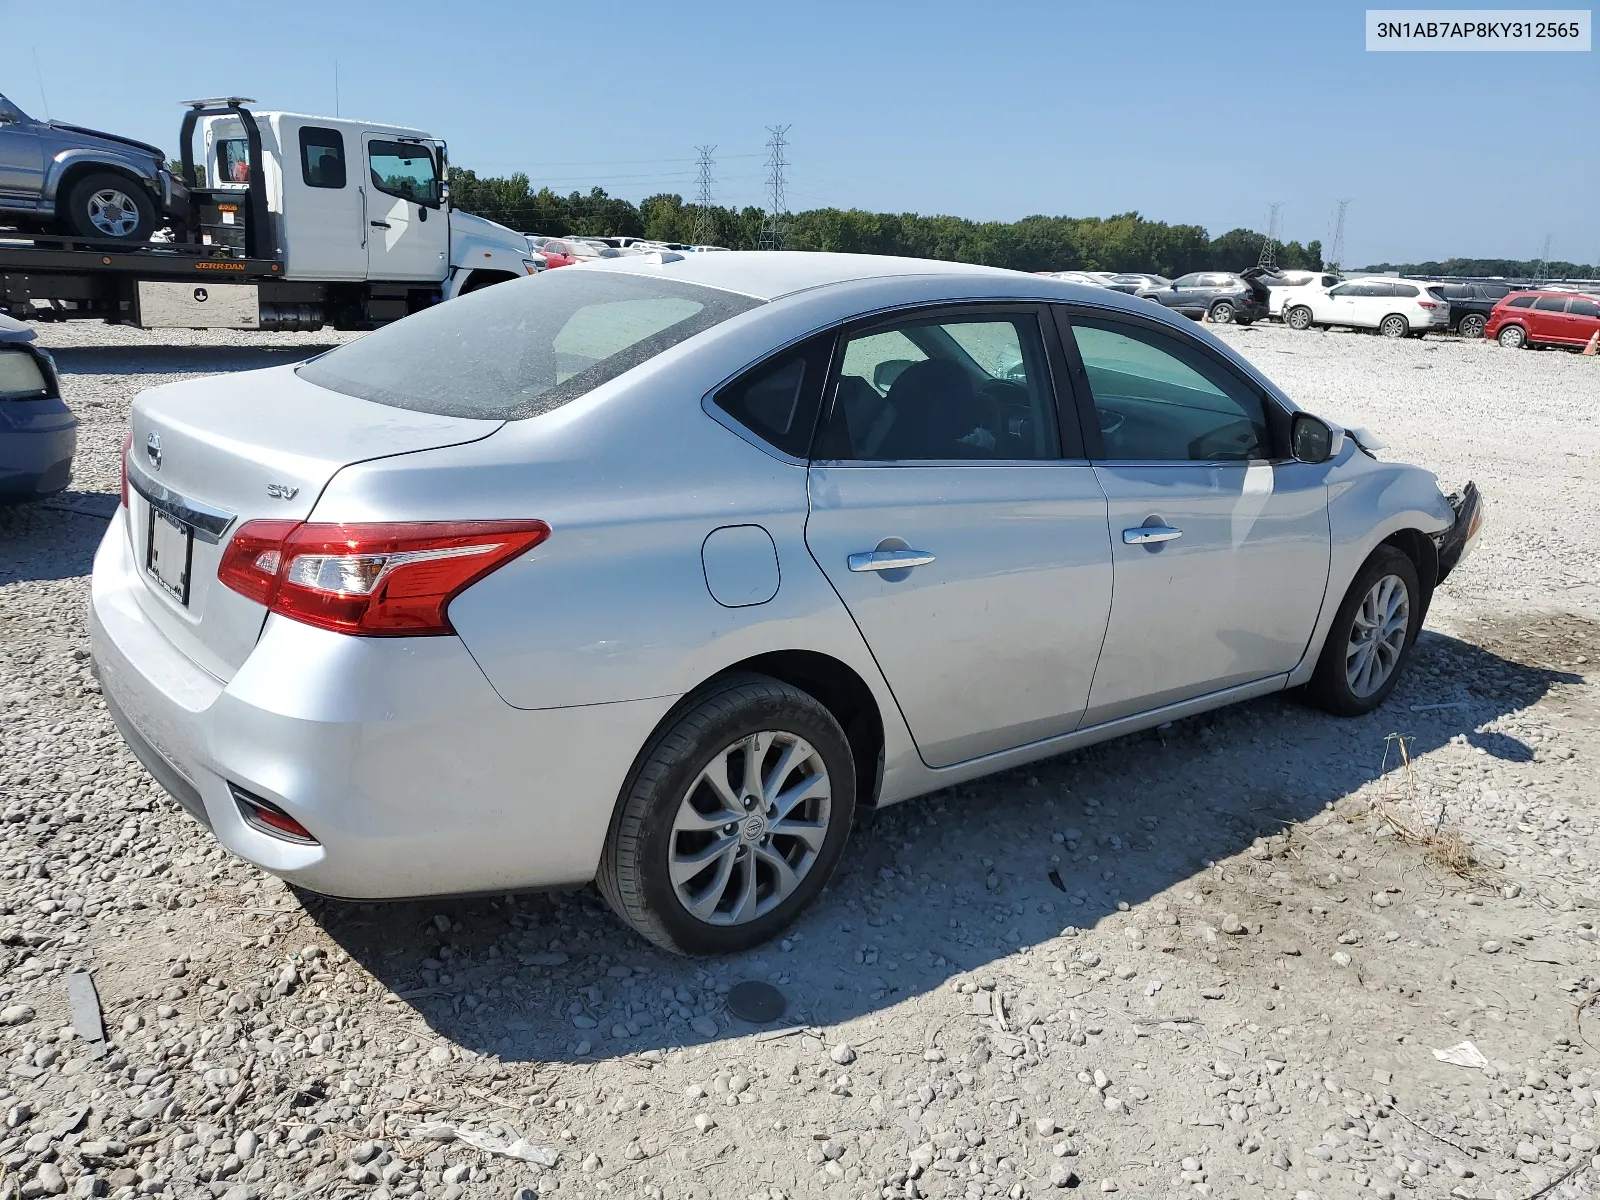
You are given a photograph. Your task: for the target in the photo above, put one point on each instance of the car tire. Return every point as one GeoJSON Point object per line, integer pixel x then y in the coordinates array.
{"type": "Point", "coordinates": [1298, 318]}
{"type": "Point", "coordinates": [1394, 326]}
{"type": "Point", "coordinates": [110, 207]}
{"type": "Point", "coordinates": [1221, 313]}
{"type": "Point", "coordinates": [1369, 628]}
{"type": "Point", "coordinates": [667, 822]}
{"type": "Point", "coordinates": [1513, 337]}
{"type": "Point", "coordinates": [1471, 325]}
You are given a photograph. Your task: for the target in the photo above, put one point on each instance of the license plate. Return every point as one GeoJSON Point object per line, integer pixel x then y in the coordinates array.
{"type": "Point", "coordinates": [168, 556]}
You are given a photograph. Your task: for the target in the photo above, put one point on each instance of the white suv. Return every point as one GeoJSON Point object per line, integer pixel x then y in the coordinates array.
{"type": "Point", "coordinates": [1288, 286]}
{"type": "Point", "coordinates": [1394, 307]}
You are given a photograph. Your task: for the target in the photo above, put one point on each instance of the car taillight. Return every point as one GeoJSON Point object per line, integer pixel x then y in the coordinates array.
{"type": "Point", "coordinates": [375, 580]}
{"type": "Point", "coordinates": [1427, 304]}
{"type": "Point", "coordinates": [127, 445]}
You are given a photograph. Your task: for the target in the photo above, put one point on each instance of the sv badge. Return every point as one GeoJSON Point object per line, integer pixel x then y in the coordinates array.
{"type": "Point", "coordinates": [282, 491]}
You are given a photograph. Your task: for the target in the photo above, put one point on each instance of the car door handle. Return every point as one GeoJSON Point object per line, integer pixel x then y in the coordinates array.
{"type": "Point", "coordinates": [379, 224]}
{"type": "Point", "coordinates": [888, 560]}
{"type": "Point", "coordinates": [1145, 535]}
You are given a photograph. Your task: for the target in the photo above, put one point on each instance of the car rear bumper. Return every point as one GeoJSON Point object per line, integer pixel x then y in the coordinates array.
{"type": "Point", "coordinates": [411, 773]}
{"type": "Point", "coordinates": [37, 441]}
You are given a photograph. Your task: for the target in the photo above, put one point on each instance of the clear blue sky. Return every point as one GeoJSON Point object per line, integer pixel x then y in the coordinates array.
{"type": "Point", "coordinates": [1193, 112]}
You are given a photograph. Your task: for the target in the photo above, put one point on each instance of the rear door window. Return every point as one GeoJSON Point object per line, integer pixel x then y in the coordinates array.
{"type": "Point", "coordinates": [523, 348]}
{"type": "Point", "coordinates": [1403, 289]}
{"type": "Point", "coordinates": [1551, 304]}
{"type": "Point", "coordinates": [1583, 308]}
{"type": "Point", "coordinates": [321, 157]}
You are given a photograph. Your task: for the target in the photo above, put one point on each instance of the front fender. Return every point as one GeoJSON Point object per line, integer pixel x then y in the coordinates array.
{"type": "Point", "coordinates": [137, 165]}
{"type": "Point", "coordinates": [471, 254]}
{"type": "Point", "coordinates": [1369, 502]}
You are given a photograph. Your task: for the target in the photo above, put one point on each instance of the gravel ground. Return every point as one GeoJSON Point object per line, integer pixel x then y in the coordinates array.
{"type": "Point", "coordinates": [1212, 960]}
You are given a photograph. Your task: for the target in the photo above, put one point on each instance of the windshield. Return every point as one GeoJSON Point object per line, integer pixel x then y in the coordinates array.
{"type": "Point", "coordinates": [525, 347]}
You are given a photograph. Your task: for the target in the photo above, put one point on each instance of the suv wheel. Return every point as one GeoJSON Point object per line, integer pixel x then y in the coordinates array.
{"type": "Point", "coordinates": [110, 206]}
{"type": "Point", "coordinates": [1222, 313]}
{"type": "Point", "coordinates": [733, 820]}
{"type": "Point", "coordinates": [1471, 325]}
{"type": "Point", "coordinates": [1513, 337]}
{"type": "Point", "coordinates": [1394, 326]}
{"type": "Point", "coordinates": [1371, 637]}
{"type": "Point", "coordinates": [1298, 317]}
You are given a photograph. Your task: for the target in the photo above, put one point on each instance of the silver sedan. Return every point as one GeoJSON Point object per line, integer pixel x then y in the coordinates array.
{"type": "Point", "coordinates": [652, 572]}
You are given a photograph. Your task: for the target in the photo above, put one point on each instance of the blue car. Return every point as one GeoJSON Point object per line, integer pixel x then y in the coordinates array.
{"type": "Point", "coordinates": [38, 432]}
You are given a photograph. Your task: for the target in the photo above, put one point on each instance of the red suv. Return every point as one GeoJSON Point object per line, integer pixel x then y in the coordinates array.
{"type": "Point", "coordinates": [1544, 319]}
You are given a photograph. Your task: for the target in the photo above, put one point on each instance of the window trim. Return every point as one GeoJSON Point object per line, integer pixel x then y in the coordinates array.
{"type": "Point", "coordinates": [921, 313]}
{"type": "Point", "coordinates": [1278, 417]}
{"type": "Point", "coordinates": [305, 162]}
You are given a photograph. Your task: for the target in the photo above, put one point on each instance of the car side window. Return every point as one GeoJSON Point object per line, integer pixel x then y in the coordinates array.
{"type": "Point", "coordinates": [1551, 304]}
{"type": "Point", "coordinates": [1403, 289]}
{"type": "Point", "coordinates": [403, 169]}
{"type": "Point", "coordinates": [321, 157]}
{"type": "Point", "coordinates": [1158, 400]}
{"type": "Point", "coordinates": [1520, 302]}
{"type": "Point", "coordinates": [1186, 281]}
{"type": "Point", "coordinates": [943, 388]}
{"type": "Point", "coordinates": [777, 399]}
{"type": "Point", "coordinates": [1583, 308]}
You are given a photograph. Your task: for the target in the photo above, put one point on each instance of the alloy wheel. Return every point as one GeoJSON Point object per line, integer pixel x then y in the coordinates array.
{"type": "Point", "coordinates": [749, 828]}
{"type": "Point", "coordinates": [1222, 313]}
{"type": "Point", "coordinates": [1299, 319]}
{"type": "Point", "coordinates": [113, 212]}
{"type": "Point", "coordinates": [1393, 327]}
{"type": "Point", "coordinates": [1512, 337]}
{"type": "Point", "coordinates": [1377, 635]}
{"type": "Point", "coordinates": [1471, 326]}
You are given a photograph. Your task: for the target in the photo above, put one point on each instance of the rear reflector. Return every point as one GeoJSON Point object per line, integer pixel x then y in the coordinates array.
{"type": "Point", "coordinates": [375, 580]}
{"type": "Point", "coordinates": [269, 818]}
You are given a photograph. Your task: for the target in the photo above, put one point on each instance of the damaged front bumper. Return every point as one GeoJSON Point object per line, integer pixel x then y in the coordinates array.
{"type": "Point", "coordinates": [1456, 543]}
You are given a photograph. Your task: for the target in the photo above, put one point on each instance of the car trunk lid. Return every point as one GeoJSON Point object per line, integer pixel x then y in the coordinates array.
{"type": "Point", "coordinates": [210, 454]}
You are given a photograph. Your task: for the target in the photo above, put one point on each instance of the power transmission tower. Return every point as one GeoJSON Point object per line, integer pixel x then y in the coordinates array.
{"type": "Point", "coordinates": [1544, 258]}
{"type": "Point", "coordinates": [705, 226]}
{"type": "Point", "coordinates": [773, 228]}
{"type": "Point", "coordinates": [1335, 258]}
{"type": "Point", "coordinates": [1269, 247]}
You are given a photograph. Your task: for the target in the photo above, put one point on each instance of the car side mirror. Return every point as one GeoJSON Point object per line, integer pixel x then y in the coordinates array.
{"type": "Point", "coordinates": [1310, 438]}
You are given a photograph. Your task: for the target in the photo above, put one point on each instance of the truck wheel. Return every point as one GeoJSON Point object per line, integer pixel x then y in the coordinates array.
{"type": "Point", "coordinates": [1471, 325]}
{"type": "Point", "coordinates": [105, 205]}
{"type": "Point", "coordinates": [479, 280]}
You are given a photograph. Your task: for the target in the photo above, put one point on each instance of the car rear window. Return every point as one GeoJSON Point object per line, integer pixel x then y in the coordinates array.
{"type": "Point", "coordinates": [523, 348]}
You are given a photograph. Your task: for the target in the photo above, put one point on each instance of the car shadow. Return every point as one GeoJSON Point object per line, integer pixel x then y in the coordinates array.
{"type": "Point", "coordinates": [929, 889]}
{"type": "Point", "coordinates": [175, 360]}
{"type": "Point", "coordinates": [54, 538]}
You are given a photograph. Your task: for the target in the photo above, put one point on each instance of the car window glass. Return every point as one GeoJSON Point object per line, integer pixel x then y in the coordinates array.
{"type": "Point", "coordinates": [233, 160]}
{"type": "Point", "coordinates": [1551, 303]}
{"type": "Point", "coordinates": [1329, 281]}
{"type": "Point", "coordinates": [777, 401]}
{"type": "Point", "coordinates": [1583, 308]}
{"type": "Point", "coordinates": [942, 390]}
{"type": "Point", "coordinates": [10, 114]}
{"type": "Point", "coordinates": [1158, 400]}
{"type": "Point", "coordinates": [523, 348]}
{"type": "Point", "coordinates": [1344, 289]}
{"type": "Point", "coordinates": [321, 157]}
{"type": "Point", "coordinates": [1184, 281]}
{"type": "Point", "coordinates": [1520, 302]}
{"type": "Point", "coordinates": [1453, 291]}
{"type": "Point", "coordinates": [1403, 289]}
{"type": "Point", "coordinates": [403, 169]}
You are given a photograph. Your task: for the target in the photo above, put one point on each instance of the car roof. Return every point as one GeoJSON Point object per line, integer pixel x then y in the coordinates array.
{"type": "Point", "coordinates": [769, 274]}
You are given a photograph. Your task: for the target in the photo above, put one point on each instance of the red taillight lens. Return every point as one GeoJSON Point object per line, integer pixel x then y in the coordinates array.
{"type": "Point", "coordinates": [1427, 304]}
{"type": "Point", "coordinates": [127, 445]}
{"type": "Point", "coordinates": [376, 580]}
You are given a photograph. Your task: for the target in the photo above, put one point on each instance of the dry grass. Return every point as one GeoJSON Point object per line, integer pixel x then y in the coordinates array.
{"type": "Point", "coordinates": [1444, 848]}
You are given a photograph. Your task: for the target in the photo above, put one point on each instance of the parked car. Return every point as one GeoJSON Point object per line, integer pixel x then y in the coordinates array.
{"type": "Point", "coordinates": [1220, 296]}
{"type": "Point", "coordinates": [653, 573]}
{"type": "Point", "coordinates": [38, 433]}
{"type": "Point", "coordinates": [1285, 286]}
{"type": "Point", "coordinates": [1085, 278]}
{"type": "Point", "coordinates": [1137, 283]}
{"type": "Point", "coordinates": [62, 178]}
{"type": "Point", "coordinates": [1393, 307]}
{"type": "Point", "coordinates": [559, 252]}
{"type": "Point", "coordinates": [1544, 318]}
{"type": "Point", "coordinates": [1471, 304]}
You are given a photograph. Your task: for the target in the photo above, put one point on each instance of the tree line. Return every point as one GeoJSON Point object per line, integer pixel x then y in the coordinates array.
{"type": "Point", "coordinates": [1509, 268]}
{"type": "Point", "coordinates": [1125, 242]}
